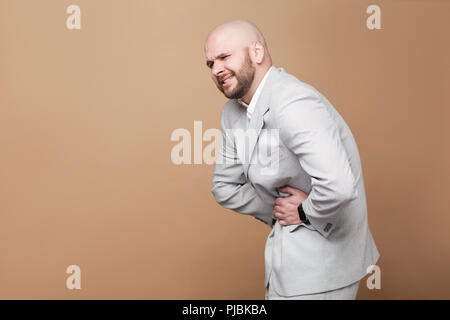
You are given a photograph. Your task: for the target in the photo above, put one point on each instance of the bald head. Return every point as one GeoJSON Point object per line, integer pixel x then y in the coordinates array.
{"type": "Point", "coordinates": [237, 50]}
{"type": "Point", "coordinates": [242, 32]}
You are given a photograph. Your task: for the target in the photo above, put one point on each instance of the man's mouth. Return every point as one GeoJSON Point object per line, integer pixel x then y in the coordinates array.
{"type": "Point", "coordinates": [226, 80]}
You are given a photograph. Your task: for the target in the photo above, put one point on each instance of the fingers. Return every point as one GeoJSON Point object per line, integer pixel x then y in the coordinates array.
{"type": "Point", "coordinates": [278, 201]}
{"type": "Point", "coordinates": [289, 189]}
{"type": "Point", "coordinates": [278, 214]}
{"type": "Point", "coordinates": [285, 221]}
{"type": "Point", "coordinates": [286, 207]}
{"type": "Point", "coordinates": [279, 209]}
{"type": "Point", "coordinates": [292, 190]}
{"type": "Point", "coordinates": [283, 218]}
{"type": "Point", "coordinates": [286, 214]}
{"type": "Point", "coordinates": [280, 217]}
{"type": "Point", "coordinates": [297, 196]}
{"type": "Point", "coordinates": [282, 201]}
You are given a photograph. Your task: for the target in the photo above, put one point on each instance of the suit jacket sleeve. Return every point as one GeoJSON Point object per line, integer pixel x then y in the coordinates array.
{"type": "Point", "coordinates": [309, 131]}
{"type": "Point", "coordinates": [230, 187]}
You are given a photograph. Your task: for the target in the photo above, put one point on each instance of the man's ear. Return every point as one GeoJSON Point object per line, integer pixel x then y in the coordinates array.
{"type": "Point", "coordinates": [257, 51]}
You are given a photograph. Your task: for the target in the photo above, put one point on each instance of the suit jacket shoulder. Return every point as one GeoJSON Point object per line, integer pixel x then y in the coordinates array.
{"type": "Point", "coordinates": [288, 88]}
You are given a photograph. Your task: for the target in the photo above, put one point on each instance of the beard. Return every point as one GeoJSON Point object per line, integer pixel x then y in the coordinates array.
{"type": "Point", "coordinates": [244, 78]}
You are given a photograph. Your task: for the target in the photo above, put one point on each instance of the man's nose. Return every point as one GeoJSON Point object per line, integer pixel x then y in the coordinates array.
{"type": "Point", "coordinates": [217, 69]}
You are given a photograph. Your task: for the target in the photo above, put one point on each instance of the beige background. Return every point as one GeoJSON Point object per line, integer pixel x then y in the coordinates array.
{"type": "Point", "coordinates": [86, 117]}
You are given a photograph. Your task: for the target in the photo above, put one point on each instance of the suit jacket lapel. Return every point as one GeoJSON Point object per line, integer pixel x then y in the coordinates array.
{"type": "Point", "coordinates": [257, 119]}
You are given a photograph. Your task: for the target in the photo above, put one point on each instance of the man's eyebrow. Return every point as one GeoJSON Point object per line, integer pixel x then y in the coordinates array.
{"type": "Point", "coordinates": [209, 63]}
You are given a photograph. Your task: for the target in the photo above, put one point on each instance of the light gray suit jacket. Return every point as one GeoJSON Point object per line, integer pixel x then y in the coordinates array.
{"type": "Point", "coordinates": [312, 150]}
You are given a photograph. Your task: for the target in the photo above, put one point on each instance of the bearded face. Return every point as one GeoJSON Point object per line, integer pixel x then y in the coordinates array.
{"type": "Point", "coordinates": [234, 84]}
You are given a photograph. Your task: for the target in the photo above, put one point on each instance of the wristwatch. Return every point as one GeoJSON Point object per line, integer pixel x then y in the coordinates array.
{"type": "Point", "coordinates": [302, 214]}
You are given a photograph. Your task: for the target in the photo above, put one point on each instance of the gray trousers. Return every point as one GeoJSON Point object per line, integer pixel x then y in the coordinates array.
{"type": "Point", "coordinates": [345, 293]}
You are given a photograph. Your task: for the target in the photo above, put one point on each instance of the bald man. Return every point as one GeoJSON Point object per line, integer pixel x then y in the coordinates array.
{"type": "Point", "coordinates": [305, 181]}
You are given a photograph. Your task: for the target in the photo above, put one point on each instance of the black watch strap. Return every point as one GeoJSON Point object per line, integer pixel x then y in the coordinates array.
{"type": "Point", "coordinates": [302, 214]}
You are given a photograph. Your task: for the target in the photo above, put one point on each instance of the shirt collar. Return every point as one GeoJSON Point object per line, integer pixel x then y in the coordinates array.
{"type": "Point", "coordinates": [251, 106]}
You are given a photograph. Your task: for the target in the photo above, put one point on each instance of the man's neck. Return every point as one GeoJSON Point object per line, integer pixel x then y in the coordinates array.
{"type": "Point", "coordinates": [258, 78]}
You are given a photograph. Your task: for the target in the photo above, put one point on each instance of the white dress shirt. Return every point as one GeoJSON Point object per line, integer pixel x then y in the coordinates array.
{"type": "Point", "coordinates": [251, 107]}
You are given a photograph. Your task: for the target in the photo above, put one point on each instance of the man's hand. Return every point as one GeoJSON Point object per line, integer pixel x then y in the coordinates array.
{"type": "Point", "coordinates": [286, 209]}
